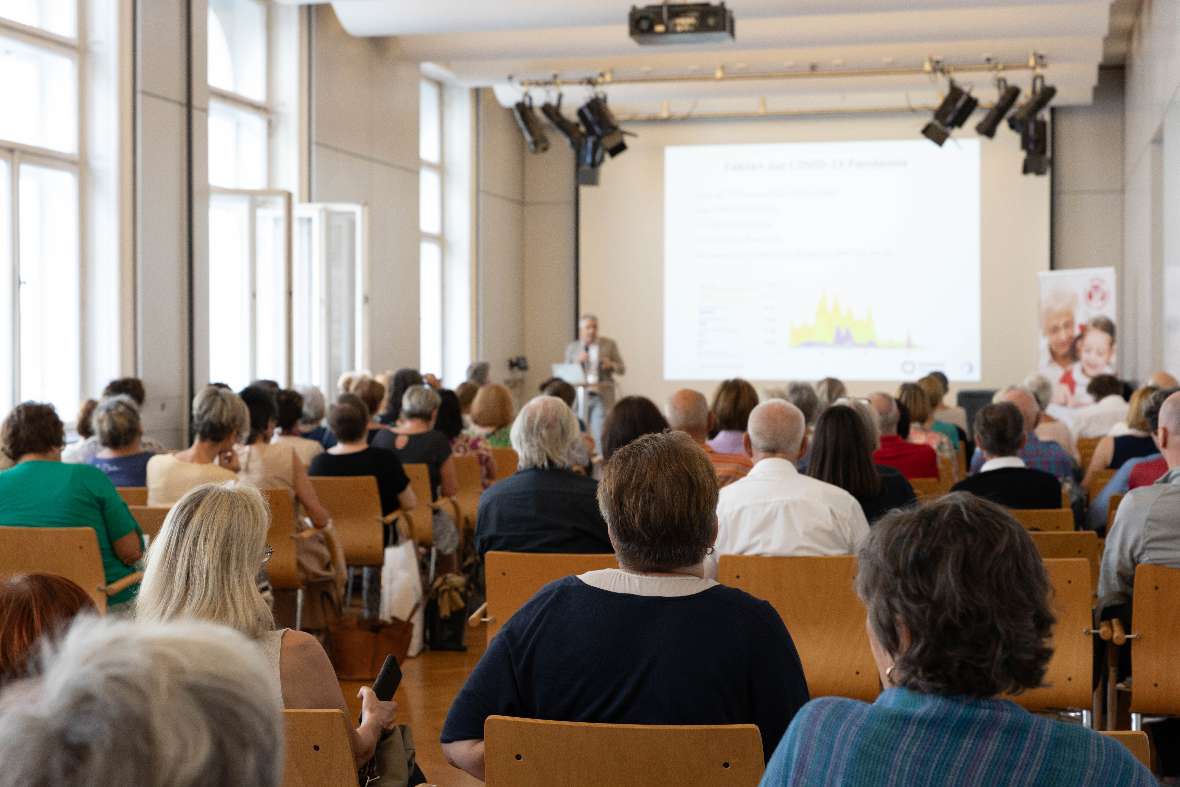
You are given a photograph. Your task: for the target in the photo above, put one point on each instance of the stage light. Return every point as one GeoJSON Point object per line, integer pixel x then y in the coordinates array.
{"type": "Point", "coordinates": [1004, 103]}
{"type": "Point", "coordinates": [600, 122]}
{"type": "Point", "coordinates": [1042, 94]}
{"type": "Point", "coordinates": [590, 158]}
{"type": "Point", "coordinates": [1034, 141]}
{"type": "Point", "coordinates": [952, 112]}
{"type": "Point", "coordinates": [935, 132]}
{"type": "Point", "coordinates": [530, 126]}
{"type": "Point", "coordinates": [568, 128]}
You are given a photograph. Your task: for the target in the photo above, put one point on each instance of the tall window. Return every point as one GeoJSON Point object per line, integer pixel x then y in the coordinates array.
{"type": "Point", "coordinates": [40, 204]}
{"type": "Point", "coordinates": [249, 223]}
{"type": "Point", "coordinates": [430, 220]}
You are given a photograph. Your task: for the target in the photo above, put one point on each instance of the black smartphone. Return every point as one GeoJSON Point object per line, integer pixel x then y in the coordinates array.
{"type": "Point", "coordinates": [388, 679]}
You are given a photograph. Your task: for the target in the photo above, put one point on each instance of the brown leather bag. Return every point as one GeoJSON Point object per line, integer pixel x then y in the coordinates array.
{"type": "Point", "coordinates": [358, 647]}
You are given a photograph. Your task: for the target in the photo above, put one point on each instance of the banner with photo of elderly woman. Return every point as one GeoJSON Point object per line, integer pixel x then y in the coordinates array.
{"type": "Point", "coordinates": [1077, 340]}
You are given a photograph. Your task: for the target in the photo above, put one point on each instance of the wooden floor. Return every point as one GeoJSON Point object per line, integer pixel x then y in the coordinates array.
{"type": "Point", "coordinates": [429, 683]}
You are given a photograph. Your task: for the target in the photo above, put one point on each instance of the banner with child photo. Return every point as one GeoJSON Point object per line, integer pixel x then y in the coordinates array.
{"type": "Point", "coordinates": [1078, 337]}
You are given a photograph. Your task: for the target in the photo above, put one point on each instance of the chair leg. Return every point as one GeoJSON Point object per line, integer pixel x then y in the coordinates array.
{"type": "Point", "coordinates": [1112, 688]}
{"type": "Point", "coordinates": [1137, 722]}
{"type": "Point", "coordinates": [299, 609]}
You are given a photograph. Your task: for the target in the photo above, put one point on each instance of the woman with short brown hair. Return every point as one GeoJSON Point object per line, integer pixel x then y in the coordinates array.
{"type": "Point", "coordinates": [732, 404]}
{"type": "Point", "coordinates": [33, 606]}
{"type": "Point", "coordinates": [492, 413]}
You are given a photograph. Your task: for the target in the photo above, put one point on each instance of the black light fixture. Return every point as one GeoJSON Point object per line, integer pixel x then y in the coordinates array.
{"type": "Point", "coordinates": [1042, 94]}
{"type": "Point", "coordinates": [530, 125]}
{"type": "Point", "coordinates": [568, 128]}
{"type": "Point", "coordinates": [600, 122]}
{"type": "Point", "coordinates": [1034, 141]}
{"type": "Point", "coordinates": [1004, 103]}
{"type": "Point", "coordinates": [590, 158]}
{"type": "Point", "coordinates": [952, 112]}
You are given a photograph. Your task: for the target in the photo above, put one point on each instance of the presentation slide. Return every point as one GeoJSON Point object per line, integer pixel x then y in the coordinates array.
{"type": "Point", "coordinates": [859, 260]}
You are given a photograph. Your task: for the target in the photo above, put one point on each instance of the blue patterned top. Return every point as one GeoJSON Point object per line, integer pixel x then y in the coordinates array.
{"type": "Point", "coordinates": [922, 740]}
{"type": "Point", "coordinates": [1038, 454]}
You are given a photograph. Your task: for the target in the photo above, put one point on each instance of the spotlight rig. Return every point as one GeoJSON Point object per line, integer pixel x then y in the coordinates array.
{"type": "Point", "coordinates": [1004, 103]}
{"type": "Point", "coordinates": [1033, 128]}
{"type": "Point", "coordinates": [952, 113]}
{"type": "Point", "coordinates": [530, 125]}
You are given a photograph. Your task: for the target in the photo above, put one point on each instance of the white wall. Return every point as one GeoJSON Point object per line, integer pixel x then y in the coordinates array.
{"type": "Point", "coordinates": [364, 149]}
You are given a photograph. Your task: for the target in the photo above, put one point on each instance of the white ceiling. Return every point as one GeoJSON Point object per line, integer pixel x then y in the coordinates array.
{"type": "Point", "coordinates": [492, 42]}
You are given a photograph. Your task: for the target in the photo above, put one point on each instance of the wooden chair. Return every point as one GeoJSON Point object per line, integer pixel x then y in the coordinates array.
{"type": "Point", "coordinates": [816, 600]}
{"type": "Point", "coordinates": [1044, 519]}
{"type": "Point", "coordinates": [355, 506]}
{"type": "Point", "coordinates": [963, 460]}
{"type": "Point", "coordinates": [1086, 447]}
{"type": "Point", "coordinates": [1099, 482]}
{"type": "Point", "coordinates": [946, 472]}
{"type": "Point", "coordinates": [133, 495]}
{"type": "Point", "coordinates": [317, 751]}
{"type": "Point", "coordinates": [1155, 651]}
{"type": "Point", "coordinates": [71, 552]}
{"type": "Point", "coordinates": [1076, 544]}
{"type": "Point", "coordinates": [1068, 683]}
{"type": "Point", "coordinates": [421, 519]}
{"type": "Point", "coordinates": [513, 577]}
{"type": "Point", "coordinates": [927, 489]}
{"type": "Point", "coordinates": [150, 518]}
{"type": "Point", "coordinates": [535, 753]}
{"type": "Point", "coordinates": [470, 488]}
{"type": "Point", "coordinates": [283, 568]}
{"type": "Point", "coordinates": [506, 462]}
{"type": "Point", "coordinates": [1112, 511]}
{"type": "Point", "coordinates": [1135, 740]}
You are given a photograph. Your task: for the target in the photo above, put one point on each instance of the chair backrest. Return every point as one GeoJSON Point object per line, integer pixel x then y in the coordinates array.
{"type": "Point", "coordinates": [283, 568]}
{"type": "Point", "coordinates": [1135, 740]}
{"type": "Point", "coordinates": [506, 461]}
{"type": "Point", "coordinates": [150, 518]}
{"type": "Point", "coordinates": [927, 489]}
{"type": "Point", "coordinates": [535, 753]}
{"type": "Point", "coordinates": [513, 578]}
{"type": "Point", "coordinates": [71, 552]}
{"type": "Point", "coordinates": [1067, 682]}
{"type": "Point", "coordinates": [1086, 447]}
{"type": "Point", "coordinates": [1112, 511]}
{"type": "Point", "coordinates": [1156, 652]}
{"type": "Point", "coordinates": [1075, 544]}
{"type": "Point", "coordinates": [133, 495]}
{"type": "Point", "coordinates": [816, 599]}
{"type": "Point", "coordinates": [421, 518]}
{"type": "Point", "coordinates": [355, 506]}
{"type": "Point", "coordinates": [946, 472]}
{"type": "Point", "coordinates": [1044, 519]}
{"type": "Point", "coordinates": [1099, 482]}
{"type": "Point", "coordinates": [317, 751]}
{"type": "Point", "coordinates": [467, 473]}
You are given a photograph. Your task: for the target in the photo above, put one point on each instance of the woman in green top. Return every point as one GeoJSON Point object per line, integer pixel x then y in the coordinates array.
{"type": "Point", "coordinates": [41, 491]}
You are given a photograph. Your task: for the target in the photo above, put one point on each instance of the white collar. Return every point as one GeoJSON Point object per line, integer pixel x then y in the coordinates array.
{"type": "Point", "coordinates": [616, 580]}
{"type": "Point", "coordinates": [1002, 463]}
{"type": "Point", "coordinates": [774, 466]}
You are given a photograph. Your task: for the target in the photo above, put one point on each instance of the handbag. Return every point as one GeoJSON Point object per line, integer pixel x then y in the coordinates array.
{"type": "Point", "coordinates": [394, 763]}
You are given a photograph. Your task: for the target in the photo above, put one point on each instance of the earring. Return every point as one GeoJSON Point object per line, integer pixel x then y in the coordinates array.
{"type": "Point", "coordinates": [889, 672]}
{"type": "Point", "coordinates": [710, 551]}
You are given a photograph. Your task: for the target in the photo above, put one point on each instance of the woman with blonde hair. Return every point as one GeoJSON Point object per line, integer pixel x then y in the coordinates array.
{"type": "Point", "coordinates": [1127, 441]}
{"type": "Point", "coordinates": [917, 403]}
{"type": "Point", "coordinates": [492, 413]}
{"type": "Point", "coordinates": [219, 421]}
{"type": "Point", "coordinates": [202, 567]}
{"type": "Point", "coordinates": [935, 392]}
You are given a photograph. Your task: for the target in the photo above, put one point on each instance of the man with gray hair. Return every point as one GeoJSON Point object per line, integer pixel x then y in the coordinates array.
{"type": "Point", "coordinates": [544, 506]}
{"type": "Point", "coordinates": [1144, 529]}
{"type": "Point", "coordinates": [600, 361]}
{"type": "Point", "coordinates": [776, 510]}
{"type": "Point", "coordinates": [121, 702]}
{"type": "Point", "coordinates": [910, 459]}
{"type": "Point", "coordinates": [688, 412]}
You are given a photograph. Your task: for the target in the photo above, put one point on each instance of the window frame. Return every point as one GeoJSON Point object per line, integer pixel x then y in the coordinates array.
{"type": "Point", "coordinates": [17, 154]}
{"type": "Point", "coordinates": [439, 239]}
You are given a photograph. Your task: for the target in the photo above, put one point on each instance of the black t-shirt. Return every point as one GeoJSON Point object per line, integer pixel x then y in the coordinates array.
{"type": "Point", "coordinates": [382, 465]}
{"type": "Point", "coordinates": [426, 448]}
{"type": "Point", "coordinates": [538, 510]}
{"type": "Point", "coordinates": [895, 493]}
{"type": "Point", "coordinates": [579, 653]}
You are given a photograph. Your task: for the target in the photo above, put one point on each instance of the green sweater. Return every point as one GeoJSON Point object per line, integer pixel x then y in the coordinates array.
{"type": "Point", "coordinates": [54, 494]}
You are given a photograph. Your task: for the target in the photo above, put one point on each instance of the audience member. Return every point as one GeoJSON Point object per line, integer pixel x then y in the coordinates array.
{"type": "Point", "coordinates": [544, 506]}
{"type": "Point", "coordinates": [121, 456]}
{"type": "Point", "coordinates": [289, 405]}
{"type": "Point", "coordinates": [917, 403]}
{"type": "Point", "coordinates": [1144, 529]}
{"type": "Point", "coordinates": [450, 423]}
{"type": "Point", "coordinates": [630, 418]}
{"type": "Point", "coordinates": [371, 391]}
{"type": "Point", "coordinates": [935, 392]}
{"type": "Point", "coordinates": [466, 393]}
{"type": "Point", "coordinates": [1036, 453]}
{"type": "Point", "coordinates": [943, 412]}
{"type": "Point", "coordinates": [1004, 478]}
{"type": "Point", "coordinates": [416, 441]}
{"type": "Point", "coordinates": [479, 373]}
{"type": "Point", "coordinates": [845, 439]}
{"type": "Point", "coordinates": [492, 413]}
{"type": "Point", "coordinates": [116, 702]}
{"type": "Point", "coordinates": [633, 645]}
{"type": "Point", "coordinates": [202, 567]}
{"type": "Point", "coordinates": [828, 390]}
{"type": "Point", "coordinates": [269, 465]}
{"type": "Point", "coordinates": [401, 381]}
{"type": "Point", "coordinates": [732, 404]}
{"type": "Point", "coordinates": [945, 673]}
{"type": "Point", "coordinates": [219, 420]}
{"type": "Point", "coordinates": [84, 450]}
{"type": "Point", "coordinates": [1162, 379]}
{"type": "Point", "coordinates": [1108, 409]}
{"type": "Point", "coordinates": [775, 509]}
{"type": "Point", "coordinates": [583, 449]}
{"type": "Point", "coordinates": [1049, 429]}
{"type": "Point", "coordinates": [82, 421]}
{"type": "Point", "coordinates": [311, 422]}
{"type": "Point", "coordinates": [688, 412]}
{"type": "Point", "coordinates": [912, 461]}
{"type": "Point", "coordinates": [803, 396]}
{"type": "Point", "coordinates": [1134, 439]}
{"type": "Point", "coordinates": [42, 491]}
{"type": "Point", "coordinates": [33, 606]}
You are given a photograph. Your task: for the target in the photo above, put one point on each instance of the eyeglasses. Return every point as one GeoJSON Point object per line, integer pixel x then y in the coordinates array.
{"type": "Point", "coordinates": [267, 554]}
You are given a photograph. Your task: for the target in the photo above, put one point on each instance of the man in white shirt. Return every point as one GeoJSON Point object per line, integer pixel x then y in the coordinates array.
{"type": "Point", "coordinates": [776, 510]}
{"type": "Point", "coordinates": [1097, 419]}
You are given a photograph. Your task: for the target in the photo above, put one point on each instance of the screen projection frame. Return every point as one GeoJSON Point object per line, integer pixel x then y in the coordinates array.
{"type": "Point", "coordinates": [621, 242]}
